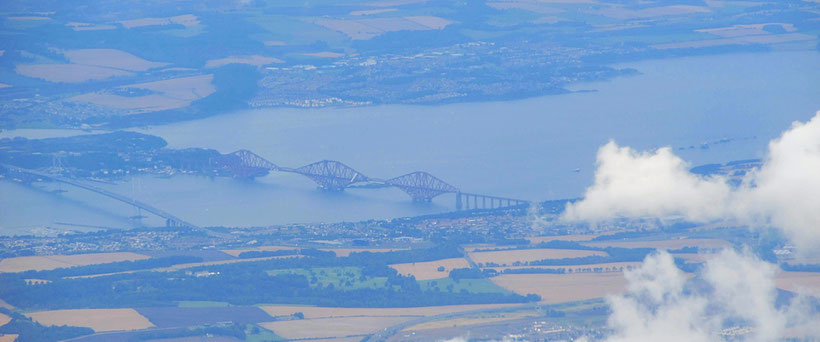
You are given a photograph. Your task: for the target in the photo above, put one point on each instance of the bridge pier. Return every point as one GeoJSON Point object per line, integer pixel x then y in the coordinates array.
{"type": "Point", "coordinates": [466, 201]}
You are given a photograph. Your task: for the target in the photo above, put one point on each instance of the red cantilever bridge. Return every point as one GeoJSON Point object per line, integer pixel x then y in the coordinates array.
{"type": "Point", "coordinates": [328, 174]}
{"type": "Point", "coordinates": [336, 176]}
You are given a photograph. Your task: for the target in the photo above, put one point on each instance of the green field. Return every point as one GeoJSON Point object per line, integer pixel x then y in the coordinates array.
{"type": "Point", "coordinates": [469, 285]}
{"type": "Point", "coordinates": [346, 278]}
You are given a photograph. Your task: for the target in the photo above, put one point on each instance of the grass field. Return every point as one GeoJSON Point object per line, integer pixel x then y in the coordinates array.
{"type": "Point", "coordinates": [166, 317]}
{"type": "Point", "coordinates": [324, 312]}
{"type": "Point", "coordinates": [429, 270]}
{"type": "Point", "coordinates": [98, 319]}
{"type": "Point", "coordinates": [508, 257]}
{"type": "Point", "coordinates": [201, 304]}
{"type": "Point", "coordinates": [331, 327]}
{"type": "Point", "coordinates": [348, 278]}
{"type": "Point", "coordinates": [39, 263]}
{"type": "Point", "coordinates": [663, 244]}
{"type": "Point", "coordinates": [559, 288]}
{"type": "Point", "coordinates": [469, 285]}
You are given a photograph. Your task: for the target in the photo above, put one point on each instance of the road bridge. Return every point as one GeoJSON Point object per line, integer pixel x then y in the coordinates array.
{"type": "Point", "coordinates": [170, 220]}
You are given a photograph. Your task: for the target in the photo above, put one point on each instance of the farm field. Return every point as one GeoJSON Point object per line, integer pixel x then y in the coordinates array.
{"type": "Point", "coordinates": [325, 312]}
{"type": "Point", "coordinates": [584, 237]}
{"type": "Point", "coordinates": [86, 65]}
{"type": "Point", "coordinates": [559, 288]}
{"type": "Point", "coordinates": [68, 73]}
{"type": "Point", "coordinates": [111, 58]}
{"type": "Point", "coordinates": [165, 94]}
{"type": "Point", "coordinates": [363, 29]}
{"type": "Point", "coordinates": [341, 252]}
{"type": "Point", "coordinates": [473, 320]}
{"type": "Point", "coordinates": [807, 283]}
{"type": "Point", "coordinates": [508, 257]}
{"type": "Point", "coordinates": [166, 317]}
{"type": "Point", "coordinates": [188, 265]}
{"type": "Point", "coordinates": [184, 20]}
{"type": "Point", "coordinates": [331, 327]}
{"type": "Point", "coordinates": [4, 319]}
{"type": "Point", "coordinates": [469, 285]}
{"type": "Point", "coordinates": [606, 267]}
{"type": "Point", "coordinates": [429, 270]}
{"type": "Point", "coordinates": [255, 60]}
{"type": "Point", "coordinates": [755, 39]}
{"type": "Point", "coordinates": [8, 338]}
{"type": "Point", "coordinates": [663, 244]}
{"type": "Point", "coordinates": [39, 263]}
{"type": "Point", "coordinates": [340, 277]}
{"type": "Point", "coordinates": [236, 252]}
{"type": "Point", "coordinates": [98, 319]}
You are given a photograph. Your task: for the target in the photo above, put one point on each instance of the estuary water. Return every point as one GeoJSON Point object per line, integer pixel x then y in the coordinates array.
{"type": "Point", "coordinates": [710, 109]}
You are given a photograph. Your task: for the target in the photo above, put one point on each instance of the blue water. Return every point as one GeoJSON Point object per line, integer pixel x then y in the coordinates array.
{"type": "Point", "coordinates": [527, 149]}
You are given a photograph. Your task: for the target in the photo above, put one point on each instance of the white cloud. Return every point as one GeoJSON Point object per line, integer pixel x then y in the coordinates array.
{"type": "Point", "coordinates": [784, 193]}
{"type": "Point", "coordinates": [739, 291]}
{"type": "Point", "coordinates": [635, 184]}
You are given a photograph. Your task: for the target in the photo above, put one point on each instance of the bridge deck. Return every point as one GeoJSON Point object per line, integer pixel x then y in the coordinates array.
{"type": "Point", "coordinates": [147, 207]}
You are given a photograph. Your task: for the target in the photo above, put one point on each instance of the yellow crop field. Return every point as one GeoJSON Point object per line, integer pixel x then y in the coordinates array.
{"type": "Point", "coordinates": [255, 60]}
{"type": "Point", "coordinates": [39, 263]}
{"type": "Point", "coordinates": [651, 12]}
{"type": "Point", "coordinates": [473, 320]}
{"type": "Point", "coordinates": [325, 54]}
{"type": "Point", "coordinates": [3, 304]}
{"type": "Point", "coordinates": [578, 237]}
{"type": "Point", "coordinates": [342, 252]}
{"type": "Point", "coordinates": [363, 29]}
{"type": "Point", "coordinates": [68, 73]}
{"type": "Point", "coordinates": [807, 283]}
{"type": "Point", "coordinates": [508, 257]}
{"type": "Point", "coordinates": [189, 265]}
{"type": "Point", "coordinates": [429, 270]}
{"type": "Point", "coordinates": [558, 288]}
{"type": "Point", "coordinates": [236, 252]}
{"type": "Point", "coordinates": [110, 58]}
{"type": "Point", "coordinates": [606, 267]}
{"type": "Point", "coordinates": [4, 319]}
{"type": "Point", "coordinates": [184, 20]}
{"type": "Point", "coordinates": [758, 39]}
{"type": "Point", "coordinates": [331, 327]}
{"type": "Point", "coordinates": [168, 94]}
{"type": "Point", "coordinates": [97, 319]}
{"type": "Point", "coordinates": [663, 244]}
{"type": "Point", "coordinates": [325, 312]}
